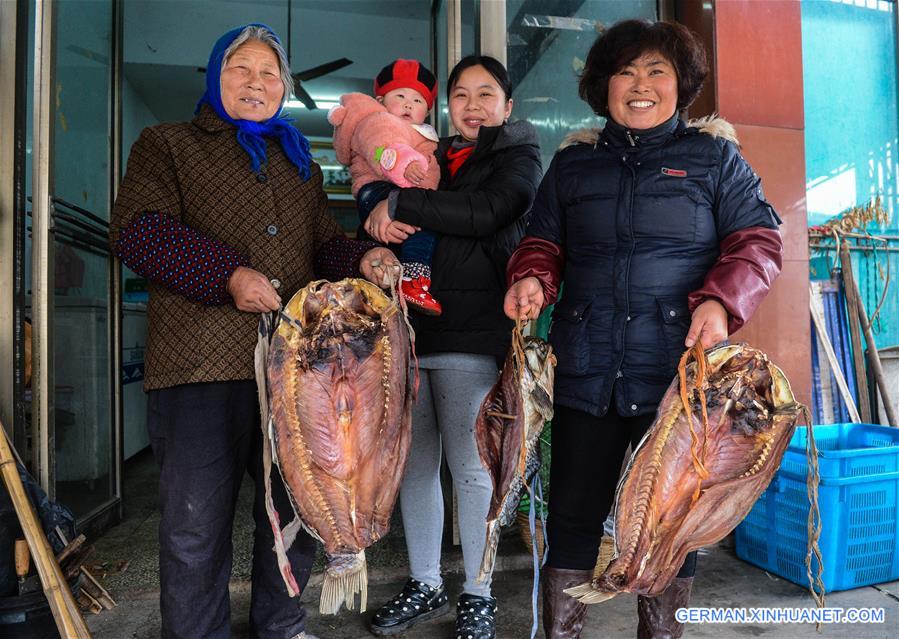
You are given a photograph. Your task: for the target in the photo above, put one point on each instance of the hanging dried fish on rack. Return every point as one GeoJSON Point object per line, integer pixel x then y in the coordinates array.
{"type": "Point", "coordinates": [855, 219]}
{"type": "Point", "coordinates": [339, 399]}
{"type": "Point", "coordinates": [721, 430]}
{"type": "Point", "coordinates": [507, 431]}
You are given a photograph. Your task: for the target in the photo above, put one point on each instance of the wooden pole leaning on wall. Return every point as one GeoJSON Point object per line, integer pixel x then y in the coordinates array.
{"type": "Point", "coordinates": [873, 356]}
{"type": "Point", "coordinates": [65, 611]}
{"type": "Point", "coordinates": [853, 303]}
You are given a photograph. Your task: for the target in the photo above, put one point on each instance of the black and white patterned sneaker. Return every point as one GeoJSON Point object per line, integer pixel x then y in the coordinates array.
{"type": "Point", "coordinates": [417, 602]}
{"type": "Point", "coordinates": [475, 617]}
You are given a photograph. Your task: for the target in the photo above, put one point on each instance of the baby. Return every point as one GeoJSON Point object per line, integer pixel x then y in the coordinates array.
{"type": "Point", "coordinates": [386, 144]}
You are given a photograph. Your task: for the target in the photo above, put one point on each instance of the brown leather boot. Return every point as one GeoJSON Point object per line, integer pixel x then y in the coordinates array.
{"type": "Point", "coordinates": [656, 614]}
{"type": "Point", "coordinates": [563, 615]}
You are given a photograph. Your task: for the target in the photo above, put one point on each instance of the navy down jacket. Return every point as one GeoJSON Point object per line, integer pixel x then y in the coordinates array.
{"type": "Point", "coordinates": [640, 216]}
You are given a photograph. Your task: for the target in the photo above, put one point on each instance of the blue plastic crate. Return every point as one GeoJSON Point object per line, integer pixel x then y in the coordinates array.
{"type": "Point", "coordinates": [858, 496]}
{"type": "Point", "coordinates": [845, 450]}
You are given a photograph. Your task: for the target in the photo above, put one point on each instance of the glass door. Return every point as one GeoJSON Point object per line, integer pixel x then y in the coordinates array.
{"type": "Point", "coordinates": [69, 293]}
{"type": "Point", "coordinates": [454, 35]}
{"type": "Point", "coordinates": [546, 51]}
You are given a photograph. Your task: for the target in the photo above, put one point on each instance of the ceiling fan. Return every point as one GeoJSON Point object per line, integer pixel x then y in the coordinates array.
{"type": "Point", "coordinates": [309, 74]}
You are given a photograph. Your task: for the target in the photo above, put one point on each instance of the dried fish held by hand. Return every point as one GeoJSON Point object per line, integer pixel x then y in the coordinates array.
{"type": "Point", "coordinates": [507, 431]}
{"type": "Point", "coordinates": [340, 400]}
{"type": "Point", "coordinates": [720, 433]}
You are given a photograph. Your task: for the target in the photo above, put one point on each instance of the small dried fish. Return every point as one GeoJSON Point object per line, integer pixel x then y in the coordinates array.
{"type": "Point", "coordinates": [507, 431]}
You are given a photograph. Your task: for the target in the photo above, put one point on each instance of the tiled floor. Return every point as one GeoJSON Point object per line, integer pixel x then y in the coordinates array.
{"type": "Point", "coordinates": [722, 581]}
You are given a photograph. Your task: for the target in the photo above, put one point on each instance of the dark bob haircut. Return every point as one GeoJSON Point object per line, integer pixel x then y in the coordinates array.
{"type": "Point", "coordinates": [493, 66]}
{"type": "Point", "coordinates": [626, 41]}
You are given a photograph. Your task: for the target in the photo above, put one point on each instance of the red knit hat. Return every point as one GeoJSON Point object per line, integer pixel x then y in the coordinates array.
{"type": "Point", "coordinates": [407, 74]}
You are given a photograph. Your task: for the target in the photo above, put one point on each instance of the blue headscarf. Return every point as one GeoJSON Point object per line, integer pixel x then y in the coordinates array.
{"type": "Point", "coordinates": [250, 134]}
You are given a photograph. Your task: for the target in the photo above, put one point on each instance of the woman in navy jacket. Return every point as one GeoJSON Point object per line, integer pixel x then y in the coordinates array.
{"type": "Point", "coordinates": [663, 237]}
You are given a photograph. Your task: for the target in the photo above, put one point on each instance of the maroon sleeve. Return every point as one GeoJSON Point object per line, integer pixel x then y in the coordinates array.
{"type": "Point", "coordinates": [749, 262]}
{"type": "Point", "coordinates": [536, 257]}
{"type": "Point", "coordinates": [339, 258]}
{"type": "Point", "coordinates": [168, 252]}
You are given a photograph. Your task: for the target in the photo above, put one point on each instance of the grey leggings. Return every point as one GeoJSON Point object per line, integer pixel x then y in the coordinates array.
{"type": "Point", "coordinates": [453, 385]}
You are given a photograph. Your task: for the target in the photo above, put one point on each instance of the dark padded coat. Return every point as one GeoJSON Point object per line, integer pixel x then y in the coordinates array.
{"type": "Point", "coordinates": [645, 225]}
{"type": "Point", "coordinates": [479, 215]}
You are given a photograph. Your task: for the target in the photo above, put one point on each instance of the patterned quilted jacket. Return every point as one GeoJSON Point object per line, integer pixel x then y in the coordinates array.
{"type": "Point", "coordinates": [189, 211]}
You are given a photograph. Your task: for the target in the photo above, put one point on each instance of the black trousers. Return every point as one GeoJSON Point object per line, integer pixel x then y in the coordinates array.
{"type": "Point", "coordinates": [205, 437]}
{"type": "Point", "coordinates": [587, 454]}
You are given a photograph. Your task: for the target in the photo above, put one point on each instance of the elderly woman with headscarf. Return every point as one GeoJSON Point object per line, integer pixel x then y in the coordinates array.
{"type": "Point", "coordinates": [663, 238]}
{"type": "Point", "coordinates": [223, 215]}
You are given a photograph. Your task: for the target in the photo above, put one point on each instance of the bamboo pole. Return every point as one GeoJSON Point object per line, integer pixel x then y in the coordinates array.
{"type": "Point", "coordinates": [65, 611]}
{"type": "Point", "coordinates": [855, 335]}
{"type": "Point", "coordinates": [873, 356]}
{"type": "Point", "coordinates": [824, 341]}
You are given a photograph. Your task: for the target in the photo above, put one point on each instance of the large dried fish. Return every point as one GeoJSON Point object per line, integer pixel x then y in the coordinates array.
{"type": "Point", "coordinates": [340, 401]}
{"type": "Point", "coordinates": [507, 431]}
{"type": "Point", "coordinates": [720, 433]}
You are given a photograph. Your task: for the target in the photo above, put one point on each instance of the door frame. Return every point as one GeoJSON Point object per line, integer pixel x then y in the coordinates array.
{"type": "Point", "coordinates": [42, 298]}
{"type": "Point", "coordinates": [11, 110]}
{"type": "Point", "coordinates": [43, 410]}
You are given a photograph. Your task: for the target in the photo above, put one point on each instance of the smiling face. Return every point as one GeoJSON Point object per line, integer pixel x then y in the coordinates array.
{"type": "Point", "coordinates": [407, 104]}
{"type": "Point", "coordinates": [477, 100]}
{"type": "Point", "coordinates": [643, 94]}
{"type": "Point", "coordinates": [251, 83]}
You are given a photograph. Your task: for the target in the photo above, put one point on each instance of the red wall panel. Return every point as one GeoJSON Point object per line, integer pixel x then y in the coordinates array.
{"type": "Point", "coordinates": [759, 86]}
{"type": "Point", "coordinates": [778, 156]}
{"type": "Point", "coordinates": [759, 62]}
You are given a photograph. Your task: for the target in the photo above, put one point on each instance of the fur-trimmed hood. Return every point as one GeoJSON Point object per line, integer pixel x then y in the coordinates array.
{"type": "Point", "coordinates": [712, 125]}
